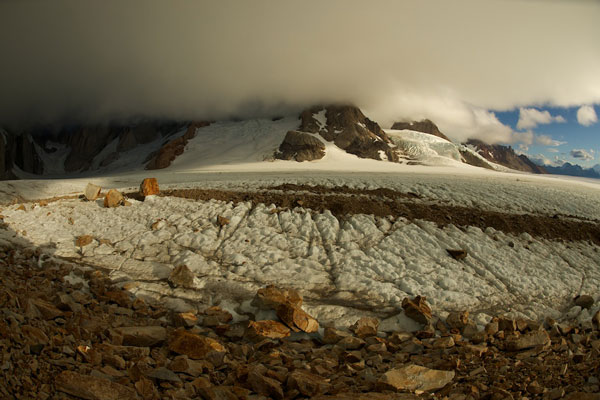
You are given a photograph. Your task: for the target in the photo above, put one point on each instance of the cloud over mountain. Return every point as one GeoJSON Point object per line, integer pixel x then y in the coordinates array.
{"type": "Point", "coordinates": [582, 154]}
{"type": "Point", "coordinates": [448, 61]}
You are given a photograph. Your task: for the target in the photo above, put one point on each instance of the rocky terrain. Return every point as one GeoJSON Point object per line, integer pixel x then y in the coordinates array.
{"type": "Point", "coordinates": [70, 331]}
{"type": "Point", "coordinates": [67, 332]}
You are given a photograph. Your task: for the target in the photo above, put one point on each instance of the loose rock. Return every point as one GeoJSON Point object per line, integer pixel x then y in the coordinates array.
{"type": "Point", "coordinates": [149, 187]}
{"type": "Point", "coordinates": [113, 199]}
{"type": "Point", "coordinates": [417, 309]}
{"type": "Point", "coordinates": [415, 377]}
{"type": "Point", "coordinates": [92, 192]}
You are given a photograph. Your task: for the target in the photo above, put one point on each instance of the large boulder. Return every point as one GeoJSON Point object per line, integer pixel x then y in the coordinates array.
{"type": "Point", "coordinates": [300, 146]}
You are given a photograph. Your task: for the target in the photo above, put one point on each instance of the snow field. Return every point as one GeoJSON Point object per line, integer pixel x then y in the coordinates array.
{"type": "Point", "coordinates": [344, 268]}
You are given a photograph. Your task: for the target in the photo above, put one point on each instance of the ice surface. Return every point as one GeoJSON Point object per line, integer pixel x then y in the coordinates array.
{"type": "Point", "coordinates": [342, 266]}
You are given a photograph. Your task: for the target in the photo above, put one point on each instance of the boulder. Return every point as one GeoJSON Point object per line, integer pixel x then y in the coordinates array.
{"type": "Point", "coordinates": [91, 387]}
{"type": "Point", "coordinates": [365, 326]}
{"type": "Point", "coordinates": [296, 318]}
{"type": "Point", "coordinates": [149, 187]}
{"type": "Point", "coordinates": [113, 199]}
{"type": "Point", "coordinates": [92, 192]}
{"type": "Point", "coordinates": [415, 377]}
{"type": "Point", "coordinates": [267, 330]}
{"type": "Point", "coordinates": [584, 301]}
{"type": "Point", "coordinates": [300, 146]}
{"type": "Point", "coordinates": [417, 309]}
{"type": "Point", "coordinates": [528, 340]}
{"type": "Point", "coordinates": [271, 297]}
{"type": "Point", "coordinates": [457, 320]}
{"type": "Point", "coordinates": [193, 345]}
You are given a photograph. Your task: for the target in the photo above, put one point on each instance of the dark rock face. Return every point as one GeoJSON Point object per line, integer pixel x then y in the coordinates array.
{"type": "Point", "coordinates": [85, 144]}
{"type": "Point", "coordinates": [168, 153]}
{"type": "Point", "coordinates": [18, 151]}
{"type": "Point", "coordinates": [506, 156]}
{"type": "Point", "coordinates": [300, 146]}
{"type": "Point", "coordinates": [471, 159]}
{"type": "Point", "coordinates": [425, 126]}
{"type": "Point", "coordinates": [350, 130]}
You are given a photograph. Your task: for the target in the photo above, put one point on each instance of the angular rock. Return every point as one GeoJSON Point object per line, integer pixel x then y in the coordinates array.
{"type": "Point", "coordinates": [584, 301]}
{"type": "Point", "coordinates": [194, 346]}
{"type": "Point", "coordinates": [163, 374]}
{"type": "Point", "coordinates": [127, 352]}
{"type": "Point", "coordinates": [333, 336]}
{"type": "Point", "coordinates": [365, 327]}
{"type": "Point", "coordinates": [263, 385]}
{"type": "Point", "coordinates": [182, 276]}
{"type": "Point", "coordinates": [507, 325]}
{"type": "Point", "coordinates": [457, 254]}
{"type": "Point", "coordinates": [528, 340]}
{"type": "Point", "coordinates": [296, 318]}
{"type": "Point", "coordinates": [215, 316]}
{"type": "Point", "coordinates": [113, 199]}
{"type": "Point", "coordinates": [351, 343]}
{"type": "Point", "coordinates": [186, 319]}
{"type": "Point", "coordinates": [142, 336]}
{"type": "Point", "coordinates": [92, 388]}
{"type": "Point", "coordinates": [84, 240]}
{"type": "Point", "coordinates": [270, 297]}
{"type": "Point", "coordinates": [458, 320]}
{"type": "Point", "coordinates": [415, 377]}
{"type": "Point", "coordinates": [267, 330]}
{"type": "Point", "coordinates": [92, 192]}
{"type": "Point", "coordinates": [149, 187]}
{"type": "Point", "coordinates": [417, 309]}
{"type": "Point", "coordinates": [306, 383]}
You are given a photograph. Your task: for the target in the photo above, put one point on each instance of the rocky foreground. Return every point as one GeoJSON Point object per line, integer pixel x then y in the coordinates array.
{"type": "Point", "coordinates": [66, 333]}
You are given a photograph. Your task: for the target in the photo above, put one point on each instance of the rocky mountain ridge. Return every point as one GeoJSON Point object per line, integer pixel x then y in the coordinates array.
{"type": "Point", "coordinates": [155, 144]}
{"type": "Point", "coordinates": [506, 156]}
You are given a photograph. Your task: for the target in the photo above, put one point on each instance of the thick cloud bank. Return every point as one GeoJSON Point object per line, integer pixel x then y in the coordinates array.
{"type": "Point", "coordinates": [449, 61]}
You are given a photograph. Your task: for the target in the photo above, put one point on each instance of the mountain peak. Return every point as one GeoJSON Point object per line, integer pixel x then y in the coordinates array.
{"type": "Point", "coordinates": [425, 126]}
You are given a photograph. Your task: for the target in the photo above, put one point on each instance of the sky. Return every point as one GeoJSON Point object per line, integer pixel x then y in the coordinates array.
{"type": "Point", "coordinates": [474, 67]}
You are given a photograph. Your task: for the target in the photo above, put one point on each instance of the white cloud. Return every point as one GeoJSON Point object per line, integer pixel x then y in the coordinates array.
{"type": "Point", "coordinates": [581, 154]}
{"type": "Point", "coordinates": [530, 118]}
{"type": "Point", "coordinates": [546, 140]}
{"type": "Point", "coordinates": [523, 148]}
{"type": "Point", "coordinates": [586, 115]}
{"type": "Point", "coordinates": [552, 150]}
{"type": "Point", "coordinates": [189, 59]}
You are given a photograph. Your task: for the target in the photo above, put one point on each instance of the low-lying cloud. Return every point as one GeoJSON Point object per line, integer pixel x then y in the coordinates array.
{"type": "Point", "coordinates": [447, 61]}
{"type": "Point", "coordinates": [582, 154]}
